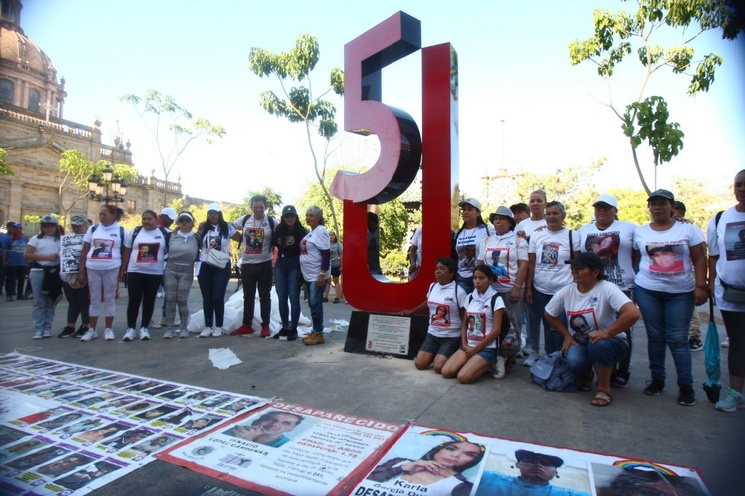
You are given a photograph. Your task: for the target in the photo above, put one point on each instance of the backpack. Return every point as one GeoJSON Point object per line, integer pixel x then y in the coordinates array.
{"type": "Point", "coordinates": [552, 374]}
{"type": "Point", "coordinates": [166, 234]}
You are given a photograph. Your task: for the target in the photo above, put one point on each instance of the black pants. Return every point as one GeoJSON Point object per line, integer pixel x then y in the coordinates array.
{"type": "Point", "coordinates": [142, 289]}
{"type": "Point", "coordinates": [253, 275]}
{"type": "Point", "coordinates": [77, 299]}
{"type": "Point", "coordinates": [15, 276]}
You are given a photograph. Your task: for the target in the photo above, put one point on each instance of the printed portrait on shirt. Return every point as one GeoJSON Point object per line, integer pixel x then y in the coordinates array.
{"type": "Point", "coordinates": [475, 324]}
{"type": "Point", "coordinates": [148, 253]}
{"type": "Point", "coordinates": [468, 259]}
{"type": "Point", "coordinates": [550, 253]}
{"type": "Point", "coordinates": [498, 260]}
{"type": "Point", "coordinates": [102, 249]}
{"type": "Point", "coordinates": [254, 240]}
{"type": "Point", "coordinates": [665, 258]}
{"type": "Point", "coordinates": [604, 245]}
{"type": "Point", "coordinates": [441, 316]}
{"type": "Point", "coordinates": [581, 323]}
{"type": "Point", "coordinates": [214, 240]}
{"type": "Point", "coordinates": [734, 241]}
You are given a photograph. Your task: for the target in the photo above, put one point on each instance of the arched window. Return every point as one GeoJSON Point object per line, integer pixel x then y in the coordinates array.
{"type": "Point", "coordinates": [7, 89]}
{"type": "Point", "coordinates": [33, 100]}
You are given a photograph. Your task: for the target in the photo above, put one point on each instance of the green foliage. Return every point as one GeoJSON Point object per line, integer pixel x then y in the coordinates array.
{"type": "Point", "coordinates": [273, 201]}
{"type": "Point", "coordinates": [394, 222]}
{"type": "Point", "coordinates": [4, 169]}
{"type": "Point", "coordinates": [613, 38]}
{"type": "Point", "coordinates": [632, 205]}
{"type": "Point", "coordinates": [700, 205]}
{"type": "Point", "coordinates": [393, 264]}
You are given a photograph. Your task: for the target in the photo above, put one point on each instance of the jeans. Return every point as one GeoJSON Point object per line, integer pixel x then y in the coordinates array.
{"type": "Point", "coordinates": [253, 275]}
{"type": "Point", "coordinates": [466, 283]}
{"type": "Point", "coordinates": [315, 301]}
{"type": "Point", "coordinates": [553, 340]}
{"type": "Point", "coordinates": [213, 282]}
{"type": "Point", "coordinates": [43, 311]}
{"type": "Point", "coordinates": [667, 317]}
{"type": "Point", "coordinates": [604, 353]}
{"type": "Point", "coordinates": [142, 289]}
{"type": "Point", "coordinates": [286, 283]}
{"type": "Point", "coordinates": [77, 301]}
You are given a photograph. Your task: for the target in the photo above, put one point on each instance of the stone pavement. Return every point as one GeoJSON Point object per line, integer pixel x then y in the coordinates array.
{"type": "Point", "coordinates": [391, 390]}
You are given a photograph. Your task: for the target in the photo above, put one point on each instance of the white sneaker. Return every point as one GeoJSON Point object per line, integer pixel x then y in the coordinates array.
{"type": "Point", "coordinates": [90, 335]}
{"type": "Point", "coordinates": [108, 334]}
{"type": "Point", "coordinates": [217, 332]}
{"type": "Point", "coordinates": [207, 332]}
{"type": "Point", "coordinates": [38, 334]}
{"type": "Point", "coordinates": [184, 333]}
{"type": "Point", "coordinates": [46, 334]}
{"type": "Point", "coordinates": [144, 334]}
{"type": "Point", "coordinates": [530, 361]}
{"type": "Point", "coordinates": [155, 325]}
{"type": "Point", "coordinates": [499, 371]}
{"type": "Point", "coordinates": [725, 343]}
{"type": "Point", "coordinates": [168, 334]}
{"type": "Point", "coordinates": [130, 335]}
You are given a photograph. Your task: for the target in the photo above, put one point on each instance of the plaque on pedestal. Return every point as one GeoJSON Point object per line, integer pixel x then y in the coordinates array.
{"type": "Point", "coordinates": [384, 333]}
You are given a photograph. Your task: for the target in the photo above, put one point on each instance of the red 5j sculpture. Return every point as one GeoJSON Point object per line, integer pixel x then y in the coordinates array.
{"type": "Point", "coordinates": [402, 150]}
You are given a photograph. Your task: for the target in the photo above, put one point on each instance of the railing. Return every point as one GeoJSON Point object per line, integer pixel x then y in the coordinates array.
{"type": "Point", "coordinates": [71, 128]}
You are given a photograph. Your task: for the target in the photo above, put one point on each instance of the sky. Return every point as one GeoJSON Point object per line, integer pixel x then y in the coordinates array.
{"type": "Point", "coordinates": [522, 105]}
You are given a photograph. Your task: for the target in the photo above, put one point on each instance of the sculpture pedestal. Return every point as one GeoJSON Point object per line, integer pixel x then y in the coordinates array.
{"type": "Point", "coordinates": [382, 333]}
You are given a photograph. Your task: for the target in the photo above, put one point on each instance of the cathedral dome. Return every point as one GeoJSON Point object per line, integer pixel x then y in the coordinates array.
{"type": "Point", "coordinates": [20, 52]}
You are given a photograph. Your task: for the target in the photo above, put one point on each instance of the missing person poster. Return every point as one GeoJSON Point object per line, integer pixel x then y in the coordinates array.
{"type": "Point", "coordinates": [69, 429]}
{"type": "Point", "coordinates": [287, 449]}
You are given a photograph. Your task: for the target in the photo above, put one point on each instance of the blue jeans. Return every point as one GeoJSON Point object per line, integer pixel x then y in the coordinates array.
{"type": "Point", "coordinates": [667, 318]}
{"type": "Point", "coordinates": [212, 283]}
{"type": "Point", "coordinates": [604, 353]}
{"type": "Point", "coordinates": [286, 272]}
{"type": "Point", "coordinates": [466, 283]}
{"type": "Point", "coordinates": [315, 301]}
{"type": "Point", "coordinates": [553, 340]}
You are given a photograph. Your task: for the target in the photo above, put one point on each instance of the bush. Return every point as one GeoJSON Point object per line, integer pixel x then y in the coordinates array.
{"type": "Point", "coordinates": [393, 263]}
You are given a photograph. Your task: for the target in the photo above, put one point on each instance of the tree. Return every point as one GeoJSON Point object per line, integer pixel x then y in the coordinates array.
{"type": "Point", "coordinates": [173, 127]}
{"type": "Point", "coordinates": [4, 169]}
{"type": "Point", "coordinates": [273, 201]}
{"type": "Point", "coordinates": [299, 104]}
{"type": "Point", "coordinates": [647, 119]}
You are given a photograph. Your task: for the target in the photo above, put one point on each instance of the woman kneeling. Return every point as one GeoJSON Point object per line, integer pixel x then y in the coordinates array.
{"type": "Point", "coordinates": [598, 313]}
{"type": "Point", "coordinates": [479, 331]}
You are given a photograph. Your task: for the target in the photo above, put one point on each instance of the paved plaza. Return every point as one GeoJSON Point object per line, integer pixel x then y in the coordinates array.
{"type": "Point", "coordinates": [391, 390]}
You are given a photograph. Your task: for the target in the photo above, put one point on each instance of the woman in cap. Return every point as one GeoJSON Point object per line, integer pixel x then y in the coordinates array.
{"type": "Point", "coordinates": [183, 250]}
{"type": "Point", "coordinates": [287, 238]}
{"type": "Point", "coordinates": [671, 258]}
{"type": "Point", "coordinates": [598, 314]}
{"type": "Point", "coordinates": [468, 237]}
{"type": "Point", "coordinates": [214, 234]}
{"type": "Point", "coordinates": [71, 246]}
{"type": "Point", "coordinates": [43, 253]}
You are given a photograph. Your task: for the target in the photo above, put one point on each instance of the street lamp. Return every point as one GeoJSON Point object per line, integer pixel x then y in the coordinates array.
{"type": "Point", "coordinates": [99, 187]}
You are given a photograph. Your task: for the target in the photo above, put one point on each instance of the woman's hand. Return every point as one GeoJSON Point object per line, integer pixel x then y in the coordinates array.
{"type": "Point", "coordinates": [700, 295]}
{"type": "Point", "coordinates": [598, 335]}
{"type": "Point", "coordinates": [417, 466]}
{"type": "Point", "coordinates": [470, 351]}
{"type": "Point", "coordinates": [82, 277]}
{"type": "Point", "coordinates": [568, 341]}
{"type": "Point", "coordinates": [529, 296]}
{"type": "Point", "coordinates": [407, 313]}
{"type": "Point", "coordinates": [122, 275]}
{"type": "Point", "coordinates": [515, 295]}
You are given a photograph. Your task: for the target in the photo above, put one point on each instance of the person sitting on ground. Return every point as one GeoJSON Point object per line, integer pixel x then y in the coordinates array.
{"type": "Point", "coordinates": [599, 314]}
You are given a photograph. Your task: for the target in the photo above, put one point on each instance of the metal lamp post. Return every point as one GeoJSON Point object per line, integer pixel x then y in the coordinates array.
{"type": "Point", "coordinates": [107, 188]}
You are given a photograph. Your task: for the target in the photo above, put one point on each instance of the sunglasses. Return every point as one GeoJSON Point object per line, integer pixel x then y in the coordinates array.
{"type": "Point", "coordinates": [185, 219]}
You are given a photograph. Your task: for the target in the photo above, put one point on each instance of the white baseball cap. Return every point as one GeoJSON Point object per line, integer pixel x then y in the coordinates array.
{"type": "Point", "coordinates": [608, 199]}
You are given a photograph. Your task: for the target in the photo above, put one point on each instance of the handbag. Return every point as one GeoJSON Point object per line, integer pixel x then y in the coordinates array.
{"type": "Point", "coordinates": [217, 258]}
{"type": "Point", "coordinates": [733, 294]}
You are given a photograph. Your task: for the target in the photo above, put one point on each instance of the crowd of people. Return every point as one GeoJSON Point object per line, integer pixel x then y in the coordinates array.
{"type": "Point", "coordinates": [585, 288]}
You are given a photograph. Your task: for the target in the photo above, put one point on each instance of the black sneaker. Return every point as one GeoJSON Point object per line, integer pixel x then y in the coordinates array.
{"type": "Point", "coordinates": [686, 396]}
{"type": "Point", "coordinates": [80, 332]}
{"type": "Point", "coordinates": [654, 387]}
{"type": "Point", "coordinates": [66, 332]}
{"type": "Point", "coordinates": [282, 333]}
{"type": "Point", "coordinates": [695, 344]}
{"type": "Point", "coordinates": [620, 379]}
{"type": "Point", "coordinates": [292, 335]}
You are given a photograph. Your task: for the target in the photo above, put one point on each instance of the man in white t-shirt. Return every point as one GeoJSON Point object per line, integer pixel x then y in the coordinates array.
{"type": "Point", "coordinates": [256, 265]}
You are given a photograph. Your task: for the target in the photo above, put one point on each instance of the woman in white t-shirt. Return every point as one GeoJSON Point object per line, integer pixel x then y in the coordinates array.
{"type": "Point", "coordinates": [549, 248]}
{"type": "Point", "coordinates": [144, 257]}
{"type": "Point", "coordinates": [480, 331]}
{"type": "Point", "coordinates": [467, 240]}
{"type": "Point", "coordinates": [445, 303]}
{"type": "Point", "coordinates": [598, 314]}
{"type": "Point", "coordinates": [101, 266]}
{"type": "Point", "coordinates": [671, 257]}
{"type": "Point", "coordinates": [43, 253]}
{"type": "Point", "coordinates": [315, 260]}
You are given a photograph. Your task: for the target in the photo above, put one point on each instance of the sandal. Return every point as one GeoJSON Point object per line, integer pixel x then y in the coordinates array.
{"type": "Point", "coordinates": [602, 398]}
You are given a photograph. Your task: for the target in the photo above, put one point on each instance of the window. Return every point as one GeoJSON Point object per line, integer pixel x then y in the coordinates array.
{"type": "Point", "coordinates": [7, 89]}
{"type": "Point", "coordinates": [131, 206]}
{"type": "Point", "coordinates": [33, 100]}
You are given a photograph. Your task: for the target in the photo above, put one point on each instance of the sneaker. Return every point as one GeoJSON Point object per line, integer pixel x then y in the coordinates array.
{"type": "Point", "coordinates": [80, 332]}
{"type": "Point", "coordinates": [686, 397]}
{"type": "Point", "coordinates": [620, 379]}
{"type": "Point", "coordinates": [291, 336]}
{"type": "Point", "coordinates": [654, 387]}
{"type": "Point", "coordinates": [336, 300]}
{"type": "Point", "coordinates": [168, 334]}
{"type": "Point", "coordinates": [242, 330]}
{"type": "Point", "coordinates": [155, 325]}
{"type": "Point", "coordinates": [66, 332]}
{"type": "Point", "coordinates": [532, 358]}
{"type": "Point", "coordinates": [163, 321]}
{"type": "Point", "coordinates": [314, 338]}
{"type": "Point", "coordinates": [37, 335]}
{"type": "Point", "coordinates": [218, 331]}
{"type": "Point", "coordinates": [183, 333]}
{"type": "Point", "coordinates": [207, 332]}
{"type": "Point", "coordinates": [130, 335]}
{"type": "Point", "coordinates": [731, 403]}
{"type": "Point", "coordinates": [499, 370]}
{"type": "Point", "coordinates": [108, 334]}
{"type": "Point", "coordinates": [695, 344]}
{"type": "Point", "coordinates": [282, 334]}
{"type": "Point", "coordinates": [265, 332]}
{"type": "Point", "coordinates": [725, 343]}
{"type": "Point", "coordinates": [325, 300]}
{"type": "Point", "coordinates": [89, 335]}
{"type": "Point", "coordinates": [144, 334]}
{"type": "Point", "coordinates": [46, 334]}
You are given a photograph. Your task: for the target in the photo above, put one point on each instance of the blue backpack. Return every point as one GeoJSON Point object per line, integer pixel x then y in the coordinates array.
{"type": "Point", "coordinates": [552, 373]}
